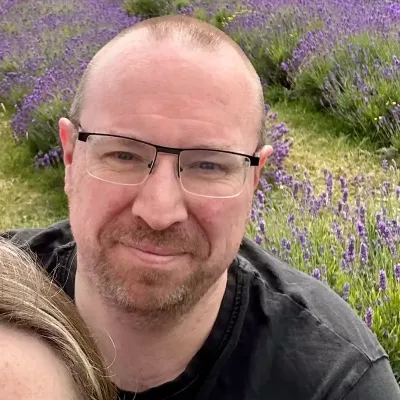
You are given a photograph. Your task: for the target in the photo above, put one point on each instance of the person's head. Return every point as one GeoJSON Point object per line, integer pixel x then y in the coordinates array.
{"type": "Point", "coordinates": [178, 83]}
{"type": "Point", "coordinates": [46, 351]}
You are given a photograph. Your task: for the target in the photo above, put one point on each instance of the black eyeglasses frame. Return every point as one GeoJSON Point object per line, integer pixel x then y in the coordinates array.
{"type": "Point", "coordinates": [83, 136]}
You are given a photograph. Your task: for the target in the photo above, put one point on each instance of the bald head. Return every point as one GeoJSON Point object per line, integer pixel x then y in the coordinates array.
{"type": "Point", "coordinates": [182, 34]}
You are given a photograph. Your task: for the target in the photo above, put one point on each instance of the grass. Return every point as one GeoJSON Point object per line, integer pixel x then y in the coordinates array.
{"type": "Point", "coordinates": [30, 198]}
{"type": "Point", "coordinates": [319, 142]}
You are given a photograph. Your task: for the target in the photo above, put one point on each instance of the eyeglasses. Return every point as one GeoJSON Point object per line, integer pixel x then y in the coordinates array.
{"type": "Point", "coordinates": [203, 172]}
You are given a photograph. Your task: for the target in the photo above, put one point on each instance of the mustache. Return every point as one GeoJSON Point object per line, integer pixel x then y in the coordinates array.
{"type": "Point", "coordinates": [175, 238]}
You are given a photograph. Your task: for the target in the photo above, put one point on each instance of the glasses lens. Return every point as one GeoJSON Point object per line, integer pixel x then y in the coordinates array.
{"type": "Point", "coordinates": [118, 160]}
{"type": "Point", "coordinates": [213, 173]}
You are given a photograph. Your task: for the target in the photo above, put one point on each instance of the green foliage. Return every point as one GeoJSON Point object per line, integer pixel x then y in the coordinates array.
{"type": "Point", "coordinates": [221, 18]}
{"type": "Point", "coordinates": [17, 92]}
{"type": "Point", "coordinates": [359, 84]}
{"type": "Point", "coordinates": [43, 130]}
{"type": "Point", "coordinates": [148, 8]}
{"type": "Point", "coordinates": [28, 197]}
{"type": "Point", "coordinates": [178, 4]}
{"type": "Point", "coordinates": [199, 13]}
{"type": "Point", "coordinates": [274, 44]}
{"type": "Point", "coordinates": [326, 249]}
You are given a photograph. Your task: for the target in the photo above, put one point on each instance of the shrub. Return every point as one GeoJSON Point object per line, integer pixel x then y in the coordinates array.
{"type": "Point", "coordinates": [44, 49]}
{"type": "Point", "coordinates": [269, 41]}
{"type": "Point", "coordinates": [345, 233]}
{"type": "Point", "coordinates": [148, 8]}
{"type": "Point", "coordinates": [359, 83]}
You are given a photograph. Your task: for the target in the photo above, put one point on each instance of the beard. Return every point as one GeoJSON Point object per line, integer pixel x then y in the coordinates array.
{"type": "Point", "coordinates": [154, 294]}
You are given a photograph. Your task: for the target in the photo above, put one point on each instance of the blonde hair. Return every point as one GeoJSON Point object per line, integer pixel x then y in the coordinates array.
{"type": "Point", "coordinates": [31, 302]}
{"type": "Point", "coordinates": [187, 31]}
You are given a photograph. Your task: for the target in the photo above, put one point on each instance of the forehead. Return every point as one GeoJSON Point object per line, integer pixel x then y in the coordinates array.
{"type": "Point", "coordinates": [172, 96]}
{"type": "Point", "coordinates": [29, 369]}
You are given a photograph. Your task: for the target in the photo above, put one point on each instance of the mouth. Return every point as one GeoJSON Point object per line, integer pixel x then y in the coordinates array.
{"type": "Point", "coordinates": [150, 255]}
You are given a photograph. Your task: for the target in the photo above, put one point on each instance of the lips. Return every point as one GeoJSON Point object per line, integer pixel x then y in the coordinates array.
{"type": "Point", "coordinates": [156, 250]}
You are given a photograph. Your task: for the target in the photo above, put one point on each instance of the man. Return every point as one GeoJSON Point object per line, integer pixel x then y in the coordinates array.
{"type": "Point", "coordinates": [162, 152]}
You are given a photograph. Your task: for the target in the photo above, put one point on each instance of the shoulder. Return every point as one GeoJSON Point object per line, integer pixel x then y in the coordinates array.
{"type": "Point", "coordinates": [304, 305]}
{"type": "Point", "coordinates": [47, 244]}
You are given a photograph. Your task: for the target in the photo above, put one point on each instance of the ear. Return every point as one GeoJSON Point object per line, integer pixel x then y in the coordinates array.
{"type": "Point", "coordinates": [264, 153]}
{"type": "Point", "coordinates": [67, 137]}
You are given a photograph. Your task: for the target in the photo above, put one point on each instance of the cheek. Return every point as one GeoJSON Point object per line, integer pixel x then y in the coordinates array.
{"type": "Point", "coordinates": [96, 203]}
{"type": "Point", "coordinates": [223, 220]}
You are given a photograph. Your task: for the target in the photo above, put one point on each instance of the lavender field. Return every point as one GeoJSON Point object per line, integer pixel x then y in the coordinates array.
{"type": "Point", "coordinates": [339, 59]}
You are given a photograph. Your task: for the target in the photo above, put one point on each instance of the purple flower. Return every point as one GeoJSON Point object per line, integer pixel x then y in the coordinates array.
{"type": "Point", "coordinates": [262, 226]}
{"type": "Point", "coordinates": [316, 274]}
{"type": "Point", "coordinates": [258, 240]}
{"type": "Point", "coordinates": [343, 183]}
{"type": "Point", "coordinates": [260, 196]}
{"type": "Point", "coordinates": [253, 214]}
{"type": "Point", "coordinates": [346, 291]}
{"type": "Point", "coordinates": [397, 272]}
{"type": "Point", "coordinates": [323, 269]}
{"type": "Point", "coordinates": [329, 187]}
{"type": "Point", "coordinates": [362, 213]}
{"type": "Point", "coordinates": [385, 165]}
{"type": "Point", "coordinates": [306, 255]}
{"type": "Point", "coordinates": [382, 280]}
{"type": "Point", "coordinates": [296, 187]}
{"type": "Point", "coordinates": [350, 255]}
{"type": "Point", "coordinates": [360, 229]}
{"type": "Point", "coordinates": [364, 253]}
{"type": "Point", "coordinates": [345, 194]}
{"type": "Point", "coordinates": [369, 315]}
{"type": "Point", "coordinates": [343, 264]}
{"type": "Point", "coordinates": [291, 219]}
{"type": "Point", "coordinates": [303, 238]}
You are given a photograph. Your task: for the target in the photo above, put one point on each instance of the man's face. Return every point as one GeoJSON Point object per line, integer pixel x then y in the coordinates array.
{"type": "Point", "coordinates": [155, 247]}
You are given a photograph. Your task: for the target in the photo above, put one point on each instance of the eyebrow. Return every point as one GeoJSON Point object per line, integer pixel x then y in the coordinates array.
{"type": "Point", "coordinates": [209, 146]}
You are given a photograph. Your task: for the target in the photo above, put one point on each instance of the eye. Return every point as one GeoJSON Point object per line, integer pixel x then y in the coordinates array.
{"type": "Point", "coordinates": [122, 155]}
{"type": "Point", "coordinates": [207, 165]}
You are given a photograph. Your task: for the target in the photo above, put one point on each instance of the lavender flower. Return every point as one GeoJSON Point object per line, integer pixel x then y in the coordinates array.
{"type": "Point", "coordinates": [369, 315]}
{"type": "Point", "coordinates": [345, 195]}
{"type": "Point", "coordinates": [303, 238]}
{"type": "Point", "coordinates": [360, 229]}
{"type": "Point", "coordinates": [316, 274]}
{"type": "Point", "coordinates": [397, 272]}
{"type": "Point", "coordinates": [262, 226]}
{"type": "Point", "coordinates": [253, 214]}
{"type": "Point", "coordinates": [350, 255]}
{"type": "Point", "coordinates": [306, 255]}
{"type": "Point", "coordinates": [346, 291]}
{"type": "Point", "coordinates": [364, 253]}
{"type": "Point", "coordinates": [382, 280]}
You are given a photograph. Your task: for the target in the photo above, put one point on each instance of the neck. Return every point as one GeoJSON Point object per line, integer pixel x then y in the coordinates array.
{"type": "Point", "coordinates": [138, 355]}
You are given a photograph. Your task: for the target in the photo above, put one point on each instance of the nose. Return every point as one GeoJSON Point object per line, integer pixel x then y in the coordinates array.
{"type": "Point", "coordinates": [160, 201]}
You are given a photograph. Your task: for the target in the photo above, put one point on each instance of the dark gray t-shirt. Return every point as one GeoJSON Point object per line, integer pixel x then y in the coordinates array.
{"type": "Point", "coordinates": [279, 335]}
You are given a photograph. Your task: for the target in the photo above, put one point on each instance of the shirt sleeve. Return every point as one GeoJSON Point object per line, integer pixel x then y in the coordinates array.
{"type": "Point", "coordinates": [377, 383]}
